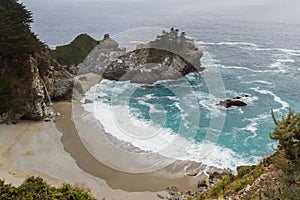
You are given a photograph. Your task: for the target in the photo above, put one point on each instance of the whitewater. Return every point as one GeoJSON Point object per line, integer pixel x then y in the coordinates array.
{"type": "Point", "coordinates": [256, 53]}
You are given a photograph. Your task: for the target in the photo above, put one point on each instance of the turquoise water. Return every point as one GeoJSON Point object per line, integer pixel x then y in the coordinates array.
{"type": "Point", "coordinates": [256, 53]}
{"type": "Point", "coordinates": [268, 76]}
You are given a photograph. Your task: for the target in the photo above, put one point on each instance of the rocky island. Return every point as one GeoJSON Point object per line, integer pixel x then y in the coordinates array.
{"type": "Point", "coordinates": [170, 57]}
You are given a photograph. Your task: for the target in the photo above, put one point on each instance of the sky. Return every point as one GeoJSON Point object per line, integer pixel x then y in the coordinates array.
{"type": "Point", "coordinates": [288, 9]}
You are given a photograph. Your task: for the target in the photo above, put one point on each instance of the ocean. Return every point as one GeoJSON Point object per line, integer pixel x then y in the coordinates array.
{"type": "Point", "coordinates": [253, 47]}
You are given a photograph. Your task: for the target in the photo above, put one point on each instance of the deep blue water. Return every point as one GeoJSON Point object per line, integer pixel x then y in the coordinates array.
{"type": "Point", "coordinates": [254, 46]}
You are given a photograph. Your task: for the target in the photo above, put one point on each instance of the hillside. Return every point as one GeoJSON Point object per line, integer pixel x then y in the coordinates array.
{"type": "Point", "coordinates": [74, 53]}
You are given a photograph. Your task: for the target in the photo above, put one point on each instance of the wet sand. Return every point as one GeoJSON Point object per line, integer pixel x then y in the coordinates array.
{"type": "Point", "coordinates": [115, 179]}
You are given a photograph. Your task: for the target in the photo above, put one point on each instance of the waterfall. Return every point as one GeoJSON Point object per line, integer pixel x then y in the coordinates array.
{"type": "Point", "coordinates": [47, 93]}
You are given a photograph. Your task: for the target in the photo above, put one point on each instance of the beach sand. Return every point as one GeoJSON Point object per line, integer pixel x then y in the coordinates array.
{"type": "Point", "coordinates": [55, 152]}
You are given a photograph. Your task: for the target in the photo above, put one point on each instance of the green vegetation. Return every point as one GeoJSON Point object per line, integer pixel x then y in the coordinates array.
{"type": "Point", "coordinates": [36, 188]}
{"type": "Point", "coordinates": [12, 82]}
{"type": "Point", "coordinates": [16, 43]}
{"type": "Point", "coordinates": [75, 52]}
{"type": "Point", "coordinates": [246, 175]}
{"type": "Point", "coordinates": [219, 188]}
{"type": "Point", "coordinates": [172, 40]}
{"type": "Point", "coordinates": [15, 35]}
{"type": "Point", "coordinates": [242, 171]}
{"type": "Point", "coordinates": [287, 132]}
{"type": "Point", "coordinates": [240, 184]}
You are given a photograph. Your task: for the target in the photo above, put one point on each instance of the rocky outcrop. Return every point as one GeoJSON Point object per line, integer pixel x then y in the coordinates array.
{"type": "Point", "coordinates": [148, 65]}
{"type": "Point", "coordinates": [101, 56]}
{"type": "Point", "coordinates": [169, 57]}
{"type": "Point", "coordinates": [236, 101]}
{"type": "Point", "coordinates": [28, 83]}
{"type": "Point", "coordinates": [29, 76]}
{"type": "Point", "coordinates": [25, 95]}
{"type": "Point", "coordinates": [229, 103]}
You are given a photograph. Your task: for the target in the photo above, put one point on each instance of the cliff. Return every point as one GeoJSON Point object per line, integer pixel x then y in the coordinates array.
{"type": "Point", "coordinates": [28, 82]}
{"type": "Point", "coordinates": [29, 76]}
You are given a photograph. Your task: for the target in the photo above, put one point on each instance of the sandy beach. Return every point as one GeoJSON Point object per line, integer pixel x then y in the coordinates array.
{"type": "Point", "coordinates": [54, 151]}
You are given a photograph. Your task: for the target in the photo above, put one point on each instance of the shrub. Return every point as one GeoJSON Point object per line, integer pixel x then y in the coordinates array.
{"type": "Point", "coordinates": [287, 132]}
{"type": "Point", "coordinates": [218, 189]}
{"type": "Point", "coordinates": [36, 188]}
{"type": "Point", "coordinates": [240, 184]}
{"type": "Point", "coordinates": [242, 171]}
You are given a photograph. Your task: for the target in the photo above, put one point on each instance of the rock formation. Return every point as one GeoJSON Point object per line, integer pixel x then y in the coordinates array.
{"type": "Point", "coordinates": [101, 56]}
{"type": "Point", "coordinates": [229, 103]}
{"type": "Point", "coordinates": [148, 65]}
{"type": "Point", "coordinates": [170, 56]}
{"type": "Point", "coordinates": [27, 80]}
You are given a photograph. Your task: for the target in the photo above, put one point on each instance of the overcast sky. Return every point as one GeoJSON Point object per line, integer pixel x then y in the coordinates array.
{"type": "Point", "coordinates": [288, 10]}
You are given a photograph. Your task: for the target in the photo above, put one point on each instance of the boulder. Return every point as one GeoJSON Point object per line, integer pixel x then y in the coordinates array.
{"type": "Point", "coordinates": [108, 43]}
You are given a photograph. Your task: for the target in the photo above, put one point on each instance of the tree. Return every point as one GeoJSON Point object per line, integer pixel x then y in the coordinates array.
{"type": "Point", "coordinates": [16, 37]}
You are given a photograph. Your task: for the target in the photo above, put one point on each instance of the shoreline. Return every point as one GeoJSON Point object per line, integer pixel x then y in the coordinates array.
{"type": "Point", "coordinates": [35, 149]}
{"type": "Point", "coordinates": [153, 182]}
{"type": "Point", "coordinates": [79, 149]}
{"type": "Point", "coordinates": [50, 150]}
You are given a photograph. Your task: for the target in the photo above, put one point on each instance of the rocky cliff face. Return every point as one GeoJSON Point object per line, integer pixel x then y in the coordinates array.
{"type": "Point", "coordinates": [28, 82]}
{"type": "Point", "coordinates": [24, 92]}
